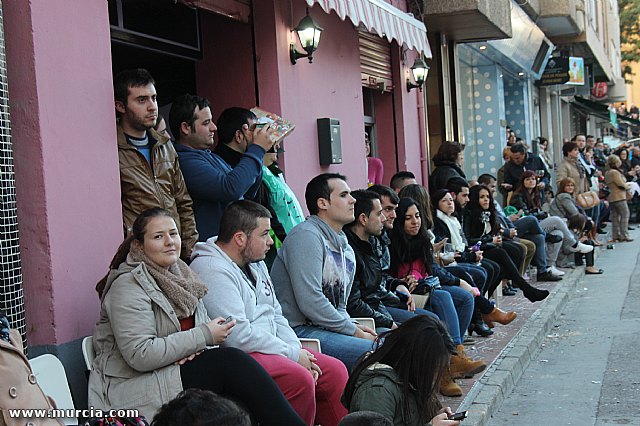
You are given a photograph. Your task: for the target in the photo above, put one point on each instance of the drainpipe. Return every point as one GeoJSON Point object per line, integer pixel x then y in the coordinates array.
{"type": "Point", "coordinates": [424, 138]}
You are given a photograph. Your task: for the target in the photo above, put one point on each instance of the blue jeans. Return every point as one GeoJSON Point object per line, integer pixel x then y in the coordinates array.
{"type": "Point", "coordinates": [478, 275]}
{"type": "Point", "coordinates": [347, 349]}
{"type": "Point", "coordinates": [529, 228]}
{"type": "Point", "coordinates": [402, 315]}
{"type": "Point", "coordinates": [454, 307]}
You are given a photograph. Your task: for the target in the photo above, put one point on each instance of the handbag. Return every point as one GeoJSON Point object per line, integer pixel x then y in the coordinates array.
{"type": "Point", "coordinates": [426, 285]}
{"type": "Point", "coordinates": [588, 200]}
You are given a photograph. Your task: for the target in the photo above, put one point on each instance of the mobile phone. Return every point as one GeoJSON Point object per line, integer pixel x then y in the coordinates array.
{"type": "Point", "coordinates": [458, 416]}
{"type": "Point", "coordinates": [227, 320]}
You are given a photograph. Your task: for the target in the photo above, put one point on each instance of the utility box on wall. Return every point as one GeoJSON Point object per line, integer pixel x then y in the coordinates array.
{"type": "Point", "coordinates": [329, 142]}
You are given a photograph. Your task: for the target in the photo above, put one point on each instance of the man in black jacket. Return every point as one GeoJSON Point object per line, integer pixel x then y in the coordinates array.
{"type": "Point", "coordinates": [522, 160]}
{"type": "Point", "coordinates": [369, 297]}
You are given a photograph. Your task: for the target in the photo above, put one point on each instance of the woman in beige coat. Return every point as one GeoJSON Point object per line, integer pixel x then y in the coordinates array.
{"type": "Point", "coordinates": [571, 167]}
{"type": "Point", "coordinates": [618, 187]}
{"type": "Point", "coordinates": [152, 338]}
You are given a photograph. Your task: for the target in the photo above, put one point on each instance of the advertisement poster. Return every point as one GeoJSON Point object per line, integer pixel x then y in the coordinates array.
{"type": "Point", "coordinates": [576, 71]}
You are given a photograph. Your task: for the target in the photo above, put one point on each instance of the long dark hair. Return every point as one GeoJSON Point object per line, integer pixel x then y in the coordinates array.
{"type": "Point", "coordinates": [137, 233]}
{"type": "Point", "coordinates": [402, 250]}
{"type": "Point", "coordinates": [421, 195]}
{"type": "Point", "coordinates": [474, 210]}
{"type": "Point", "coordinates": [532, 198]}
{"type": "Point", "coordinates": [418, 351]}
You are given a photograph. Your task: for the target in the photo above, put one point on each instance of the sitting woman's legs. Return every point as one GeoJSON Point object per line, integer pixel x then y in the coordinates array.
{"type": "Point", "coordinates": [441, 304]}
{"type": "Point", "coordinates": [228, 371]}
{"type": "Point", "coordinates": [463, 302]}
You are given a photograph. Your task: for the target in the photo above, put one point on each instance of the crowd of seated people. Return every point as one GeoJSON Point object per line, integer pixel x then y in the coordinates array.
{"type": "Point", "coordinates": [189, 301]}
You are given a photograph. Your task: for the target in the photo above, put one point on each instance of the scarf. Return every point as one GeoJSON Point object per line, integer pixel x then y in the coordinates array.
{"type": "Point", "coordinates": [455, 230]}
{"type": "Point", "coordinates": [485, 217]}
{"type": "Point", "coordinates": [179, 283]}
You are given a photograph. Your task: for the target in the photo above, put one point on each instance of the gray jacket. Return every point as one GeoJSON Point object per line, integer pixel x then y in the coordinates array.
{"type": "Point", "coordinates": [260, 326]}
{"type": "Point", "coordinates": [563, 205]}
{"type": "Point", "coordinates": [312, 274]}
{"type": "Point", "coordinates": [137, 341]}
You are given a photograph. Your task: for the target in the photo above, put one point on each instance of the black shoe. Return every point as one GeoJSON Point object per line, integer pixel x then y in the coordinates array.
{"type": "Point", "coordinates": [631, 228]}
{"type": "Point", "coordinates": [601, 231]}
{"type": "Point", "coordinates": [548, 276]}
{"type": "Point", "coordinates": [506, 291]}
{"type": "Point", "coordinates": [532, 293]}
{"type": "Point", "coordinates": [480, 328]}
{"type": "Point", "coordinates": [512, 288]}
{"type": "Point", "coordinates": [553, 238]}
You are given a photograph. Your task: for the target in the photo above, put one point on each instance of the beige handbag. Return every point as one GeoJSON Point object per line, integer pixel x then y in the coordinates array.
{"type": "Point", "coordinates": [588, 200]}
{"type": "Point", "coordinates": [19, 386]}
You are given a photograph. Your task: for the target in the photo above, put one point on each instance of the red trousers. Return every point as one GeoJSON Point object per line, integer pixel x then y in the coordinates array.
{"type": "Point", "coordinates": [316, 404]}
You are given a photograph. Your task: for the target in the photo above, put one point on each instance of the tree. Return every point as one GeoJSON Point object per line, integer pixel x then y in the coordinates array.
{"type": "Point", "coordinates": [629, 33]}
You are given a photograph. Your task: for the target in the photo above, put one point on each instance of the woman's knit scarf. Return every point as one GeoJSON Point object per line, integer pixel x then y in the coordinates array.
{"type": "Point", "coordinates": [179, 283]}
{"type": "Point", "coordinates": [455, 229]}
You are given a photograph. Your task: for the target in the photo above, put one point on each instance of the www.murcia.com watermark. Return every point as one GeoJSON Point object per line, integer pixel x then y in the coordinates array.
{"type": "Point", "coordinates": [69, 413]}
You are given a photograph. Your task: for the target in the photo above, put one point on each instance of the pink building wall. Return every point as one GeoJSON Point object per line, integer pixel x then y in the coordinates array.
{"type": "Point", "coordinates": [328, 87]}
{"type": "Point", "coordinates": [66, 164]}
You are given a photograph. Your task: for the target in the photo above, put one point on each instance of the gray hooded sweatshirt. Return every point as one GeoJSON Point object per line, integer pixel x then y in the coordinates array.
{"type": "Point", "coordinates": [312, 274]}
{"type": "Point", "coordinates": [260, 326]}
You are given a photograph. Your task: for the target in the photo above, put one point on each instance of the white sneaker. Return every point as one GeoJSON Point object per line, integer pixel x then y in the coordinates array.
{"type": "Point", "coordinates": [555, 271]}
{"type": "Point", "coordinates": [582, 248]}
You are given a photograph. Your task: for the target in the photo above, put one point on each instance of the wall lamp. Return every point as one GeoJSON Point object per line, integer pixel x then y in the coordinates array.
{"type": "Point", "coordinates": [308, 32]}
{"type": "Point", "coordinates": [419, 70]}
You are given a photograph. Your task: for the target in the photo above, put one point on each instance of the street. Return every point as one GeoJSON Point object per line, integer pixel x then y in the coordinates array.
{"type": "Point", "coordinates": [586, 371]}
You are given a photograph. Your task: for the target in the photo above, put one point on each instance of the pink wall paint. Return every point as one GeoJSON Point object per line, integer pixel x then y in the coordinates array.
{"type": "Point", "coordinates": [329, 87]}
{"type": "Point", "coordinates": [225, 74]}
{"type": "Point", "coordinates": [385, 132]}
{"type": "Point", "coordinates": [66, 162]}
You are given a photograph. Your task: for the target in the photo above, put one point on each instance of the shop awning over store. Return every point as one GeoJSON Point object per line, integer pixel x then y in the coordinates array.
{"type": "Point", "coordinates": [381, 18]}
{"type": "Point", "coordinates": [601, 110]}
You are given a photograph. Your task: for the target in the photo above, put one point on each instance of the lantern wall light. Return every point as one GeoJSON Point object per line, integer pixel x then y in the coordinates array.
{"type": "Point", "coordinates": [308, 34]}
{"type": "Point", "coordinates": [419, 71]}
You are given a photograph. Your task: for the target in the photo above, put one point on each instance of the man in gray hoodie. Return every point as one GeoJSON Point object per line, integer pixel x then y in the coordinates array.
{"type": "Point", "coordinates": [232, 267]}
{"type": "Point", "coordinates": [314, 270]}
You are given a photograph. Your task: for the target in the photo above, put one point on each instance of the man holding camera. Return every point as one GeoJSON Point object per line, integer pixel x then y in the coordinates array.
{"type": "Point", "coordinates": [213, 182]}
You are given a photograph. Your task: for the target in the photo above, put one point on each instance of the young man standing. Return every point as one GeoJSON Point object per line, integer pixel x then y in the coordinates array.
{"type": "Point", "coordinates": [150, 174]}
{"type": "Point", "coordinates": [232, 267]}
{"type": "Point", "coordinates": [314, 270]}
{"type": "Point", "coordinates": [212, 182]}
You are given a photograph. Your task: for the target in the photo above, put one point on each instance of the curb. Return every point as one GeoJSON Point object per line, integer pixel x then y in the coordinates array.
{"type": "Point", "coordinates": [488, 393]}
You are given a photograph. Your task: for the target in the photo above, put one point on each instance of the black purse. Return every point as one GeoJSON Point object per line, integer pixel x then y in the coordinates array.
{"type": "Point", "coordinates": [427, 285]}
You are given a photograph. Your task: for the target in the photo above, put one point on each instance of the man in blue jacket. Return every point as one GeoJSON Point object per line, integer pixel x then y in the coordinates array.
{"type": "Point", "coordinates": [211, 182]}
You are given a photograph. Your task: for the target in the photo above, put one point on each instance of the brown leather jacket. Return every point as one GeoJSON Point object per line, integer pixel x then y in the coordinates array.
{"type": "Point", "coordinates": [163, 186]}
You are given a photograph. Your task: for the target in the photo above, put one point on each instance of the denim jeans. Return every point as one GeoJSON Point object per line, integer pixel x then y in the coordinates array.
{"type": "Point", "coordinates": [402, 315]}
{"type": "Point", "coordinates": [454, 307]}
{"type": "Point", "coordinates": [346, 348]}
{"type": "Point", "coordinates": [478, 275]}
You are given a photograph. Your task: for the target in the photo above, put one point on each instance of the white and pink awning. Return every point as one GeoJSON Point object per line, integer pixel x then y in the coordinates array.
{"type": "Point", "coordinates": [381, 18]}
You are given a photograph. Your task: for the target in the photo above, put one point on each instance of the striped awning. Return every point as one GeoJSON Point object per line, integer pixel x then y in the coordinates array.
{"type": "Point", "coordinates": [381, 18]}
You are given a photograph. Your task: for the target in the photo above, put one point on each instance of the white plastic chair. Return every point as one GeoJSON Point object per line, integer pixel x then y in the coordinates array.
{"type": "Point", "coordinates": [367, 322]}
{"type": "Point", "coordinates": [313, 344]}
{"type": "Point", "coordinates": [87, 352]}
{"type": "Point", "coordinates": [52, 378]}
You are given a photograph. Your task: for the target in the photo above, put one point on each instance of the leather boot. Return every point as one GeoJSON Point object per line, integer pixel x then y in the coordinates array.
{"type": "Point", "coordinates": [463, 366]}
{"type": "Point", "coordinates": [500, 316]}
{"type": "Point", "coordinates": [448, 387]}
{"type": "Point", "coordinates": [530, 292]}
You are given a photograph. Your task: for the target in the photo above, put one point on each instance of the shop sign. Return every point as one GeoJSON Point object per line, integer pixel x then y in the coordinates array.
{"type": "Point", "coordinates": [556, 71]}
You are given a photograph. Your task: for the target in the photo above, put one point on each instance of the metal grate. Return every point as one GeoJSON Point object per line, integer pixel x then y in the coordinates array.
{"type": "Point", "coordinates": [11, 292]}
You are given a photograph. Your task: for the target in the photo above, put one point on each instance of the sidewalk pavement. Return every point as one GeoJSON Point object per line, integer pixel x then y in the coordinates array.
{"type": "Point", "coordinates": [510, 349]}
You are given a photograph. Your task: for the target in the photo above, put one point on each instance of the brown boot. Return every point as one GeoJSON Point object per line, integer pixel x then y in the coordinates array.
{"type": "Point", "coordinates": [500, 316]}
{"type": "Point", "coordinates": [463, 366]}
{"type": "Point", "coordinates": [448, 387]}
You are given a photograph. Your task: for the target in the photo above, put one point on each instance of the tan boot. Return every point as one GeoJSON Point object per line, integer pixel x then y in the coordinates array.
{"type": "Point", "coordinates": [463, 366]}
{"type": "Point", "coordinates": [448, 387]}
{"type": "Point", "coordinates": [500, 316]}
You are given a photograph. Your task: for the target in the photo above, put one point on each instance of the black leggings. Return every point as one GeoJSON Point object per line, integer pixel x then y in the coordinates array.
{"type": "Point", "coordinates": [231, 372]}
{"type": "Point", "coordinates": [509, 269]}
{"type": "Point", "coordinates": [494, 275]}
